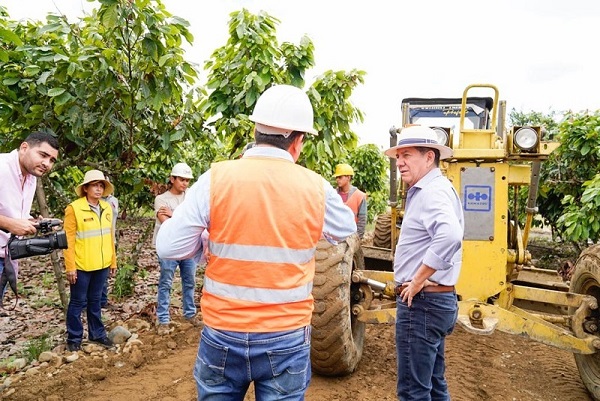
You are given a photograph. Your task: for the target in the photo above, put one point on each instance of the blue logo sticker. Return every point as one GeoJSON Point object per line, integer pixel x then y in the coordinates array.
{"type": "Point", "coordinates": [478, 198]}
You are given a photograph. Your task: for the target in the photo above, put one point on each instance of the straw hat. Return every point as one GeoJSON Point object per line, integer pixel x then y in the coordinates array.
{"type": "Point", "coordinates": [91, 176]}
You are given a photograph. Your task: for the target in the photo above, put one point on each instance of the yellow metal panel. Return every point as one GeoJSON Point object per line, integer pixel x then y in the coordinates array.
{"type": "Point", "coordinates": [548, 296]}
{"type": "Point", "coordinates": [523, 323]}
{"type": "Point", "coordinates": [519, 174]}
{"type": "Point", "coordinates": [378, 316]}
{"type": "Point", "coordinates": [483, 272]}
{"type": "Point", "coordinates": [548, 147]}
{"type": "Point", "coordinates": [378, 275]}
{"type": "Point", "coordinates": [479, 154]}
{"type": "Point", "coordinates": [477, 140]}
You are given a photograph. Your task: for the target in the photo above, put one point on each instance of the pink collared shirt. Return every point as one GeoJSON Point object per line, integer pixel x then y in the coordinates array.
{"type": "Point", "coordinates": [16, 195]}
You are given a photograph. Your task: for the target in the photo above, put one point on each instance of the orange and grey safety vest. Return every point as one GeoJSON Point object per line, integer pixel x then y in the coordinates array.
{"type": "Point", "coordinates": [266, 218]}
{"type": "Point", "coordinates": [354, 200]}
{"type": "Point", "coordinates": [94, 247]}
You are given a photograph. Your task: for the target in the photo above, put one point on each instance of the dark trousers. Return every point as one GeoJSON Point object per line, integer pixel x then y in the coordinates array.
{"type": "Point", "coordinates": [86, 294]}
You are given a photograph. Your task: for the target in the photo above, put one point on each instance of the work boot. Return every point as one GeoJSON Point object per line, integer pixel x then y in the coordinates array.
{"type": "Point", "coordinates": [104, 341]}
{"type": "Point", "coordinates": [73, 347]}
{"type": "Point", "coordinates": [194, 321]}
{"type": "Point", "coordinates": [163, 329]}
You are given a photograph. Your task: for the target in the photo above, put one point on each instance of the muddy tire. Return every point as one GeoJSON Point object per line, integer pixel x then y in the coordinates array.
{"type": "Point", "coordinates": [586, 280]}
{"type": "Point", "coordinates": [383, 231]}
{"type": "Point", "coordinates": [337, 337]}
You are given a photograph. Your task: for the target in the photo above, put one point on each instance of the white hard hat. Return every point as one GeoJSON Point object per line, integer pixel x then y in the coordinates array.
{"type": "Point", "coordinates": [282, 109]}
{"type": "Point", "coordinates": [182, 170]}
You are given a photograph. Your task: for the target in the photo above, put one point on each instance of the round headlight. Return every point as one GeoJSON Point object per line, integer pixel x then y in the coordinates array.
{"type": "Point", "coordinates": [526, 138]}
{"type": "Point", "coordinates": [442, 135]}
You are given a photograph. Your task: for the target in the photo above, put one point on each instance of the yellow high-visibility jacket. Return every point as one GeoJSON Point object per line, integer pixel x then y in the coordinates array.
{"type": "Point", "coordinates": [90, 239]}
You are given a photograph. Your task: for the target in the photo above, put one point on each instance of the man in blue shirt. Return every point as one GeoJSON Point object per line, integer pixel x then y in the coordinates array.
{"type": "Point", "coordinates": [426, 265]}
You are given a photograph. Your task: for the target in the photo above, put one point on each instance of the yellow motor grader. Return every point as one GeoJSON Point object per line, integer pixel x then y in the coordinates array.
{"type": "Point", "coordinates": [498, 288]}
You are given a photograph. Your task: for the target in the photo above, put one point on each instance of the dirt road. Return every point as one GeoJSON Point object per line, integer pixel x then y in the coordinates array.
{"type": "Point", "coordinates": [496, 367]}
{"type": "Point", "coordinates": [499, 367]}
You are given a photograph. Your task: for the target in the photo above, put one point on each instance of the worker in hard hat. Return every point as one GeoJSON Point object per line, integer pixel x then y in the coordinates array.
{"type": "Point", "coordinates": [353, 197]}
{"type": "Point", "coordinates": [266, 215]}
{"type": "Point", "coordinates": [164, 205]}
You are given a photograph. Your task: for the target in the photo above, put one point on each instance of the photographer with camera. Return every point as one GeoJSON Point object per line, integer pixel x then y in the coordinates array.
{"type": "Point", "coordinates": [89, 259]}
{"type": "Point", "coordinates": [19, 171]}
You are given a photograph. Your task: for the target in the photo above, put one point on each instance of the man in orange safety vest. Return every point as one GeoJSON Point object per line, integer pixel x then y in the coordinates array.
{"type": "Point", "coordinates": [266, 215]}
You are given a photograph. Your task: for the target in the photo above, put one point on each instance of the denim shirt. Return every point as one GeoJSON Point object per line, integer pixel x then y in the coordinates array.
{"type": "Point", "coordinates": [432, 231]}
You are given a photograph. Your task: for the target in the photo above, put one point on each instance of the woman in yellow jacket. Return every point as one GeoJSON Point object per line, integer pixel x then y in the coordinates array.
{"type": "Point", "coordinates": [89, 259]}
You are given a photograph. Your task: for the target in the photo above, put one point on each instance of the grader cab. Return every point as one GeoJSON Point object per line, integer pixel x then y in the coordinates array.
{"type": "Point", "coordinates": [498, 288]}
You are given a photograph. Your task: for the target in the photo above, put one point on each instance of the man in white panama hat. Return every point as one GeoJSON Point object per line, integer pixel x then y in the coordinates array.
{"type": "Point", "coordinates": [426, 265]}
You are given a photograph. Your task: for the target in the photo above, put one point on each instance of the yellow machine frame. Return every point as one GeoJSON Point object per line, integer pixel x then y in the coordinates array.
{"type": "Point", "coordinates": [496, 278]}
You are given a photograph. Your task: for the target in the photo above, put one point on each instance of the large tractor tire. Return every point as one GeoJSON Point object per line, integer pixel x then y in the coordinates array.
{"type": "Point", "coordinates": [337, 337]}
{"type": "Point", "coordinates": [586, 280]}
{"type": "Point", "coordinates": [382, 237]}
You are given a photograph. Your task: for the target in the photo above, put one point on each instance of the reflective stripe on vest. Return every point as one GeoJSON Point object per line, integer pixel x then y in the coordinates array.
{"type": "Point", "coordinates": [261, 295]}
{"type": "Point", "coordinates": [253, 253]}
{"type": "Point", "coordinates": [266, 218]}
{"type": "Point", "coordinates": [92, 233]}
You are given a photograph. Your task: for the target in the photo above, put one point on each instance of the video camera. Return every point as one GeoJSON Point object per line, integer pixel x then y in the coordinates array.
{"type": "Point", "coordinates": [45, 241]}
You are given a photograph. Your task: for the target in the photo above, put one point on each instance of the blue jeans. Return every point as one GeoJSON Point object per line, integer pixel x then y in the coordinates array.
{"type": "Point", "coordinates": [187, 271]}
{"type": "Point", "coordinates": [421, 331]}
{"type": "Point", "coordinates": [85, 294]}
{"type": "Point", "coordinates": [278, 364]}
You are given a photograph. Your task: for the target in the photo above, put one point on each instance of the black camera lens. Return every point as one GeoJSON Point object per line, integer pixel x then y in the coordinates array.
{"type": "Point", "coordinates": [41, 245]}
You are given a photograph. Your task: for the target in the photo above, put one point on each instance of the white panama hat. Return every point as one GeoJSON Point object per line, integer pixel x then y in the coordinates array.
{"type": "Point", "coordinates": [419, 136]}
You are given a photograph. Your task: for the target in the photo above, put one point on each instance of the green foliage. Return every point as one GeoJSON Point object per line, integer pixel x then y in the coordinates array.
{"type": "Point", "coordinates": [119, 95]}
{"type": "Point", "coordinates": [35, 346]}
{"type": "Point", "coordinates": [569, 192]}
{"type": "Point", "coordinates": [143, 274]}
{"type": "Point", "coordinates": [113, 87]}
{"type": "Point", "coordinates": [47, 280]}
{"type": "Point", "coordinates": [580, 220]}
{"type": "Point", "coordinates": [548, 122]}
{"type": "Point", "coordinates": [238, 72]}
{"type": "Point", "coordinates": [370, 176]}
{"type": "Point", "coordinates": [572, 179]}
{"type": "Point", "coordinates": [334, 113]}
{"type": "Point", "coordinates": [550, 129]}
{"type": "Point", "coordinates": [250, 62]}
{"type": "Point", "coordinates": [124, 281]}
{"type": "Point", "coordinates": [6, 365]}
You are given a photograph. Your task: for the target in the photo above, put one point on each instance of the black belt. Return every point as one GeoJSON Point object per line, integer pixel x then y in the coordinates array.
{"type": "Point", "coordinates": [430, 288]}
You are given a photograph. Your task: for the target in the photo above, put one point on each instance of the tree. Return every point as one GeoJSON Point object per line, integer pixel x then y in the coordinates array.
{"type": "Point", "coordinates": [570, 179]}
{"type": "Point", "coordinates": [114, 88]}
{"type": "Point", "coordinates": [370, 176]}
{"type": "Point", "coordinates": [575, 178]}
{"type": "Point", "coordinates": [549, 125]}
{"type": "Point", "coordinates": [251, 61]}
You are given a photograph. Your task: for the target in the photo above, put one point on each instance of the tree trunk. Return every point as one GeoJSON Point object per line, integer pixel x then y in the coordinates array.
{"type": "Point", "coordinates": [60, 281]}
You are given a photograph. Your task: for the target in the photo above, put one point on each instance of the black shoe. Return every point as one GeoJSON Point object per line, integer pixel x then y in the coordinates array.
{"type": "Point", "coordinates": [73, 347]}
{"type": "Point", "coordinates": [105, 342]}
{"type": "Point", "coordinates": [109, 307]}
